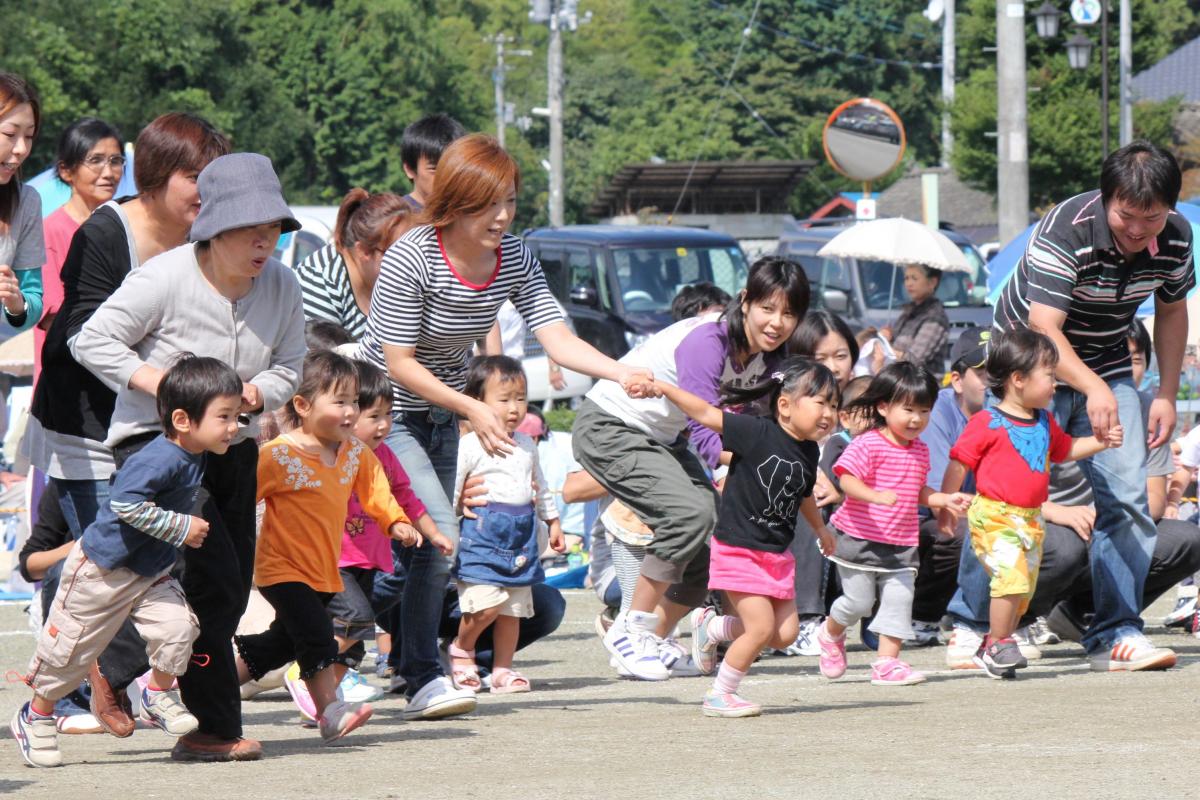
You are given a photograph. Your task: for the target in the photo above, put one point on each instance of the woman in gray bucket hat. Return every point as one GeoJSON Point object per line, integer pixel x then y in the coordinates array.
{"type": "Point", "coordinates": [223, 296]}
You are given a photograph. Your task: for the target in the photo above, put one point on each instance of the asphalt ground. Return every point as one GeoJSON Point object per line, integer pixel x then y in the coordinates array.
{"type": "Point", "coordinates": [1059, 731]}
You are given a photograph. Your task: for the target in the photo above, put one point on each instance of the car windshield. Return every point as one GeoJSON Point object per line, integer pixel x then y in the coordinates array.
{"type": "Point", "coordinates": [650, 277]}
{"type": "Point", "coordinates": [955, 288]}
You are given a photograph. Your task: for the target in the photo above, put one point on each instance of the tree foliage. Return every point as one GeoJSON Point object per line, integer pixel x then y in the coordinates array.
{"type": "Point", "coordinates": [325, 87]}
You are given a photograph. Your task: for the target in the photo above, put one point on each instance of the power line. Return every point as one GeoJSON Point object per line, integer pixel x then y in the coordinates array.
{"type": "Point", "coordinates": [812, 45]}
{"type": "Point", "coordinates": [712, 117]}
{"type": "Point", "coordinates": [834, 6]}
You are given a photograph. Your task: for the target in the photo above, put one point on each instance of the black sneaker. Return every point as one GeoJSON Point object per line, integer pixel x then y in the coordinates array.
{"type": "Point", "coordinates": [1001, 659]}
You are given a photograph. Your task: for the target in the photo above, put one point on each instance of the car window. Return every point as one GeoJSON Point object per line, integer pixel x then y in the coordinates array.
{"type": "Point", "coordinates": [306, 245]}
{"type": "Point", "coordinates": [552, 268]}
{"type": "Point", "coordinates": [649, 278]}
{"type": "Point", "coordinates": [580, 273]}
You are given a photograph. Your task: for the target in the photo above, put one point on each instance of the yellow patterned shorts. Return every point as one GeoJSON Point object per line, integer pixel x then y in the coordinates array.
{"type": "Point", "coordinates": [1007, 540]}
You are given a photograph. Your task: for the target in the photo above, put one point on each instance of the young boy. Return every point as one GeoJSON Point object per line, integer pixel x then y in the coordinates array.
{"type": "Point", "coordinates": [120, 566]}
{"type": "Point", "coordinates": [420, 148]}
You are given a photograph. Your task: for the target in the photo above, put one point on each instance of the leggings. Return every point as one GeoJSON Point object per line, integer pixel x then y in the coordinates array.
{"type": "Point", "coordinates": [627, 561]}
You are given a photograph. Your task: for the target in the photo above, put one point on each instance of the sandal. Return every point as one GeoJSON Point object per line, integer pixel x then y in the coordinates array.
{"type": "Point", "coordinates": [509, 681]}
{"type": "Point", "coordinates": [464, 676]}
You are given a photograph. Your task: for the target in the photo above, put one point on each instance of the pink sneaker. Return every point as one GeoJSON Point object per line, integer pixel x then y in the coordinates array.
{"type": "Point", "coordinates": [833, 653]}
{"type": "Point", "coordinates": [894, 672]}
{"type": "Point", "coordinates": [300, 696]}
{"type": "Point", "coordinates": [717, 704]}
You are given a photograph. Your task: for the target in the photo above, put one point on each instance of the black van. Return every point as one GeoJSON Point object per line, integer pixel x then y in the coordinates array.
{"type": "Point", "coordinates": [617, 282]}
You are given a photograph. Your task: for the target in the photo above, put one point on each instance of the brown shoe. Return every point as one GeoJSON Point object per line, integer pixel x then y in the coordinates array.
{"type": "Point", "coordinates": [111, 709]}
{"type": "Point", "coordinates": [198, 746]}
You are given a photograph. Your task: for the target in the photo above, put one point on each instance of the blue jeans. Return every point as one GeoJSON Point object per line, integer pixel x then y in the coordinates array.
{"type": "Point", "coordinates": [1123, 537]}
{"type": "Point", "coordinates": [80, 502]}
{"type": "Point", "coordinates": [426, 444]}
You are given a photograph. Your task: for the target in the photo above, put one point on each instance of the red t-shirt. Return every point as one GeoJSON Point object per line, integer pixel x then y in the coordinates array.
{"type": "Point", "coordinates": [1011, 456]}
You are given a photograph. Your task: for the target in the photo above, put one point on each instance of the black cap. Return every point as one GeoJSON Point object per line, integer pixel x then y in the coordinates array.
{"type": "Point", "coordinates": [971, 347]}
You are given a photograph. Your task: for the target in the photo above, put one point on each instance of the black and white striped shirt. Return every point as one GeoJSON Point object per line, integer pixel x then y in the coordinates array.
{"type": "Point", "coordinates": [325, 284]}
{"type": "Point", "coordinates": [420, 301]}
{"type": "Point", "coordinates": [1072, 265]}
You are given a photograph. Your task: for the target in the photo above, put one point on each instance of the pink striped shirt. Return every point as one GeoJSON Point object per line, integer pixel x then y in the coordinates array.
{"type": "Point", "coordinates": [883, 466]}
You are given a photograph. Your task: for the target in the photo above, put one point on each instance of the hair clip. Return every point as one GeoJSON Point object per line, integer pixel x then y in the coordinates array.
{"type": "Point", "coordinates": [777, 377]}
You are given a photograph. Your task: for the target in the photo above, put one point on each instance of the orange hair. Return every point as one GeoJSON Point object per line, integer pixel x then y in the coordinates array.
{"type": "Point", "coordinates": [471, 174]}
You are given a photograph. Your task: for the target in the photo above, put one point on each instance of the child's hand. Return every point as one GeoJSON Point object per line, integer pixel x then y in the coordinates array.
{"type": "Point", "coordinates": [197, 533]}
{"type": "Point", "coordinates": [826, 541]}
{"type": "Point", "coordinates": [958, 503]}
{"type": "Point", "coordinates": [558, 542]}
{"type": "Point", "coordinates": [443, 545]}
{"type": "Point", "coordinates": [887, 498]}
{"type": "Point", "coordinates": [1116, 435]}
{"type": "Point", "coordinates": [405, 534]}
{"type": "Point", "coordinates": [639, 383]}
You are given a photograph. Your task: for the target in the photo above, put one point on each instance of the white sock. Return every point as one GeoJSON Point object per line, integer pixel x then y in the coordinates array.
{"type": "Point", "coordinates": [728, 679]}
{"type": "Point", "coordinates": [645, 621]}
{"type": "Point", "coordinates": [721, 628]}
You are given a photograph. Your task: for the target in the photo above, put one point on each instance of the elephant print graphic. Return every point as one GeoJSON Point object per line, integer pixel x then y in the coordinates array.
{"type": "Point", "coordinates": [784, 483]}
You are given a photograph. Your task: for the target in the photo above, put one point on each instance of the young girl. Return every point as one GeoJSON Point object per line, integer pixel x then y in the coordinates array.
{"type": "Point", "coordinates": [306, 477]}
{"type": "Point", "coordinates": [771, 475]}
{"type": "Point", "coordinates": [882, 474]}
{"type": "Point", "coordinates": [366, 549]}
{"type": "Point", "coordinates": [1009, 447]}
{"type": "Point", "coordinates": [498, 550]}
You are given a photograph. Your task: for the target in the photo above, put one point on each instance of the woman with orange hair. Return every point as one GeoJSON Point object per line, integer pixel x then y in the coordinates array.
{"type": "Point", "coordinates": [440, 289]}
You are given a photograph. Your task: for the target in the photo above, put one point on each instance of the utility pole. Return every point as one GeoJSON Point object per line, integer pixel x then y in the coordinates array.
{"type": "Point", "coordinates": [947, 79]}
{"type": "Point", "coordinates": [1012, 168]}
{"type": "Point", "coordinates": [1104, 106]}
{"type": "Point", "coordinates": [502, 113]}
{"type": "Point", "coordinates": [555, 71]}
{"type": "Point", "coordinates": [1125, 79]}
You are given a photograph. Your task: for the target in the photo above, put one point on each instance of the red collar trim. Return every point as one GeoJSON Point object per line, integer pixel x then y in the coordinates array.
{"type": "Point", "coordinates": [461, 279]}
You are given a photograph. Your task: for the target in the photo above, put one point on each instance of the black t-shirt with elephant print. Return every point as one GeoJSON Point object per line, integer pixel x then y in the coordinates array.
{"type": "Point", "coordinates": [770, 474]}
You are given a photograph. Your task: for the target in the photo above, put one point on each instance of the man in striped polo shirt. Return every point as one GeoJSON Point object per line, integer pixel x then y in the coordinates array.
{"type": "Point", "coordinates": [1088, 266]}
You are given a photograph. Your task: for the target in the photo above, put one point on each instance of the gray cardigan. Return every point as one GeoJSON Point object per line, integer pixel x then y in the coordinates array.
{"type": "Point", "coordinates": [167, 307]}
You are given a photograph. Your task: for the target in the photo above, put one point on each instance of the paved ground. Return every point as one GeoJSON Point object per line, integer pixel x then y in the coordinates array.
{"type": "Point", "coordinates": [1058, 732]}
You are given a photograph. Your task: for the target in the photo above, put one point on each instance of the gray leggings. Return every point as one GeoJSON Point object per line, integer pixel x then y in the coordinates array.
{"type": "Point", "coordinates": [895, 591]}
{"type": "Point", "coordinates": [627, 561]}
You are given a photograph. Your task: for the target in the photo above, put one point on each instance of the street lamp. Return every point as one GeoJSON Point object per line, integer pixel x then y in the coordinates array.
{"type": "Point", "coordinates": [1079, 51]}
{"type": "Point", "coordinates": [1046, 18]}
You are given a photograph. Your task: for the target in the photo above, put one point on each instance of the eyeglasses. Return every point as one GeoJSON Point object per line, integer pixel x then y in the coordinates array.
{"type": "Point", "coordinates": [97, 163]}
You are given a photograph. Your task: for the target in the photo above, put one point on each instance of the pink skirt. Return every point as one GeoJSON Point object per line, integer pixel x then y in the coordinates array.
{"type": "Point", "coordinates": [740, 569]}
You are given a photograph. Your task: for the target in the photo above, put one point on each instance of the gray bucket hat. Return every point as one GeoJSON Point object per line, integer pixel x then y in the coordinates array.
{"type": "Point", "coordinates": [239, 190]}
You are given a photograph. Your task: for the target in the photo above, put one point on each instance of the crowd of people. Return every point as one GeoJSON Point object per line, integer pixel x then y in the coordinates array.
{"type": "Point", "coordinates": [347, 442]}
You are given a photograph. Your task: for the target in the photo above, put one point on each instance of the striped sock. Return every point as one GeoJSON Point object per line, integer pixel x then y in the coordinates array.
{"type": "Point", "coordinates": [728, 679]}
{"type": "Point", "coordinates": [721, 628]}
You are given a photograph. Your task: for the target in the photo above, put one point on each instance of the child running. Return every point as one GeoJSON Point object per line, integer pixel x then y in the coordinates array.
{"type": "Point", "coordinates": [1009, 447]}
{"type": "Point", "coordinates": [770, 477]}
{"type": "Point", "coordinates": [306, 477]}
{"type": "Point", "coordinates": [120, 567]}
{"type": "Point", "coordinates": [498, 551]}
{"type": "Point", "coordinates": [882, 473]}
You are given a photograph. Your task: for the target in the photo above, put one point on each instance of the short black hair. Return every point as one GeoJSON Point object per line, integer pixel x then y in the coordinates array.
{"type": "Point", "coordinates": [854, 388]}
{"type": "Point", "coordinates": [324, 371]}
{"type": "Point", "coordinates": [695, 297]}
{"type": "Point", "coordinates": [795, 376]}
{"type": "Point", "coordinates": [900, 382]}
{"type": "Point", "coordinates": [428, 137]}
{"type": "Point", "coordinates": [1141, 174]}
{"type": "Point", "coordinates": [1140, 337]}
{"type": "Point", "coordinates": [373, 385]}
{"type": "Point", "coordinates": [321, 334]}
{"type": "Point", "coordinates": [1018, 350]}
{"type": "Point", "coordinates": [77, 140]}
{"type": "Point", "coordinates": [815, 326]}
{"type": "Point", "coordinates": [483, 367]}
{"type": "Point", "coordinates": [190, 384]}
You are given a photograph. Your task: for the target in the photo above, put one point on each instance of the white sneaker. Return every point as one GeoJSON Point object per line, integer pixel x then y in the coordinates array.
{"type": "Point", "coordinates": [340, 718]}
{"type": "Point", "coordinates": [635, 647]}
{"type": "Point", "coordinates": [1041, 635]}
{"type": "Point", "coordinates": [961, 649]}
{"type": "Point", "coordinates": [1026, 644]}
{"type": "Point", "coordinates": [438, 699]}
{"type": "Point", "coordinates": [37, 739]}
{"type": "Point", "coordinates": [166, 711]}
{"type": "Point", "coordinates": [806, 640]}
{"type": "Point", "coordinates": [1132, 654]}
{"type": "Point", "coordinates": [272, 680]}
{"type": "Point", "coordinates": [354, 688]}
{"type": "Point", "coordinates": [677, 659]}
{"type": "Point", "coordinates": [1185, 606]}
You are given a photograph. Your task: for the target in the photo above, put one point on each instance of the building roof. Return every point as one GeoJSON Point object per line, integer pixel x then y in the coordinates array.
{"type": "Point", "coordinates": [730, 187]}
{"type": "Point", "coordinates": [1177, 75]}
{"type": "Point", "coordinates": [969, 210]}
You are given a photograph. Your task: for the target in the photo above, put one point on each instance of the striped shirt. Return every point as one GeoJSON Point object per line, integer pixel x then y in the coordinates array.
{"type": "Point", "coordinates": [325, 284]}
{"type": "Point", "coordinates": [1072, 265]}
{"type": "Point", "coordinates": [883, 466]}
{"type": "Point", "coordinates": [420, 301]}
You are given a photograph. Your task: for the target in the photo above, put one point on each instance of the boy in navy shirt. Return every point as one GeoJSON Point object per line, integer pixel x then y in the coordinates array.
{"type": "Point", "coordinates": [120, 566]}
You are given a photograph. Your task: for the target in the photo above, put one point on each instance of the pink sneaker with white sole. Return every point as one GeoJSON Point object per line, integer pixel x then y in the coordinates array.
{"type": "Point", "coordinates": [894, 672]}
{"type": "Point", "coordinates": [833, 653]}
